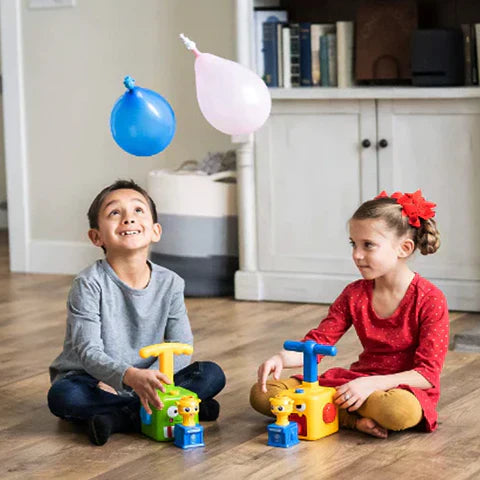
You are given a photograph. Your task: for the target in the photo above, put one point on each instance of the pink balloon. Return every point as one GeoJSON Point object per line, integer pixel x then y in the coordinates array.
{"type": "Point", "coordinates": [232, 98]}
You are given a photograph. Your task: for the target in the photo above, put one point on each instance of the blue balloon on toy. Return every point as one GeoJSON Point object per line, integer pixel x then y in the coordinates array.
{"type": "Point", "coordinates": [142, 121]}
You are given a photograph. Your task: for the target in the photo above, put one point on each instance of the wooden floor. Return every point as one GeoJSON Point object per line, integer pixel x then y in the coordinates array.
{"type": "Point", "coordinates": [237, 335]}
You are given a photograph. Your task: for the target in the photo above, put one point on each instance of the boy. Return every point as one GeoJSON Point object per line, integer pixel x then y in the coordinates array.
{"type": "Point", "coordinates": [115, 307]}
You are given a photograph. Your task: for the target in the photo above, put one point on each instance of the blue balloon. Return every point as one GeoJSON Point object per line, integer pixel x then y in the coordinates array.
{"type": "Point", "coordinates": [142, 122]}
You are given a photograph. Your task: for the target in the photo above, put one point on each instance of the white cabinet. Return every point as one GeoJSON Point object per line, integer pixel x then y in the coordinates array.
{"type": "Point", "coordinates": [312, 171]}
{"type": "Point", "coordinates": [311, 174]}
{"type": "Point", "coordinates": [304, 173]}
{"type": "Point", "coordinates": [436, 146]}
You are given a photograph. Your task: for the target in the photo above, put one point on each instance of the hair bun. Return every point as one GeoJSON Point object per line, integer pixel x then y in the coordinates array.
{"type": "Point", "coordinates": [428, 237]}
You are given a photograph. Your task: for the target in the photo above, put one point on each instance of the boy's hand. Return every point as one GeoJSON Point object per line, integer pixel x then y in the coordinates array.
{"type": "Point", "coordinates": [106, 388]}
{"type": "Point", "coordinates": [145, 383]}
{"type": "Point", "coordinates": [272, 365]}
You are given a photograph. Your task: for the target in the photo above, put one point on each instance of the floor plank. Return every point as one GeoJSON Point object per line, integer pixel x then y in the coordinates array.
{"type": "Point", "coordinates": [237, 335]}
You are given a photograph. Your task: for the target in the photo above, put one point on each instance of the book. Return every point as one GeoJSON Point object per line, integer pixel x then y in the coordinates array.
{"type": "Point", "coordinates": [295, 54]}
{"type": "Point", "coordinates": [324, 69]}
{"type": "Point", "coordinates": [345, 54]}
{"type": "Point", "coordinates": [287, 81]}
{"type": "Point", "coordinates": [270, 53]}
{"type": "Point", "coordinates": [316, 31]}
{"type": "Point", "coordinates": [477, 47]}
{"type": "Point", "coordinates": [305, 55]}
{"type": "Point", "coordinates": [467, 53]}
{"type": "Point", "coordinates": [332, 59]}
{"type": "Point", "coordinates": [280, 54]}
{"type": "Point", "coordinates": [260, 16]}
{"type": "Point", "coordinates": [473, 37]}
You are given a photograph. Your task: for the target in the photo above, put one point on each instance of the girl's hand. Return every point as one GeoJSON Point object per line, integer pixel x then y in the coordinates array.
{"type": "Point", "coordinates": [353, 394]}
{"type": "Point", "coordinates": [145, 383]}
{"type": "Point", "coordinates": [272, 365]}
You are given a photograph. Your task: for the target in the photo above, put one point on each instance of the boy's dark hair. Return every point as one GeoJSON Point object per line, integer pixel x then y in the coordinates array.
{"type": "Point", "coordinates": [94, 209]}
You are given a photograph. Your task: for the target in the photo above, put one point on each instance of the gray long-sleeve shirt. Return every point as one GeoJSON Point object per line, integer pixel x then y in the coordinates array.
{"type": "Point", "coordinates": [108, 322]}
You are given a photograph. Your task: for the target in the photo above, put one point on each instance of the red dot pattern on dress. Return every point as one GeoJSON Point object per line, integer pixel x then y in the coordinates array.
{"type": "Point", "coordinates": [415, 337]}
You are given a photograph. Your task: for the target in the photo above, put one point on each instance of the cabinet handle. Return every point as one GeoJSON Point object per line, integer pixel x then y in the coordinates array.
{"type": "Point", "coordinates": [366, 143]}
{"type": "Point", "coordinates": [383, 143]}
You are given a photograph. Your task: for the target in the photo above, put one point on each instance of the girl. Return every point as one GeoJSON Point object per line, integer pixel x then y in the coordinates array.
{"type": "Point", "coordinates": [400, 318]}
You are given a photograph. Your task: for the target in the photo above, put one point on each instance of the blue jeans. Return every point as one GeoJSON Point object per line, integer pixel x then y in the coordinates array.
{"type": "Point", "coordinates": [76, 397]}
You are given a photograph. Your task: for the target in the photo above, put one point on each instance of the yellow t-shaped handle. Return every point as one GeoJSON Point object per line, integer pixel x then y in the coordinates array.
{"type": "Point", "coordinates": [165, 352]}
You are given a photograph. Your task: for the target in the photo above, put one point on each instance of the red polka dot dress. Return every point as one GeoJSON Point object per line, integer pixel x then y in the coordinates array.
{"type": "Point", "coordinates": [415, 337]}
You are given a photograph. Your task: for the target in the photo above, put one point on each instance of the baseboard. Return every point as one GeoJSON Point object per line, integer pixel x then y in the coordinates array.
{"type": "Point", "coordinates": [287, 287]}
{"type": "Point", "coordinates": [61, 257]}
{"type": "Point", "coordinates": [248, 286]}
{"type": "Point", "coordinates": [3, 220]}
{"type": "Point", "coordinates": [467, 341]}
{"type": "Point", "coordinates": [461, 295]}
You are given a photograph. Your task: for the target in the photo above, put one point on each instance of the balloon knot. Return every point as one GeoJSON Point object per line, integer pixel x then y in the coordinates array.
{"type": "Point", "coordinates": [190, 44]}
{"type": "Point", "coordinates": [129, 82]}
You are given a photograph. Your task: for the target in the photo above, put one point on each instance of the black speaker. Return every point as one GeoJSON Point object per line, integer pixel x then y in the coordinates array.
{"type": "Point", "coordinates": [438, 58]}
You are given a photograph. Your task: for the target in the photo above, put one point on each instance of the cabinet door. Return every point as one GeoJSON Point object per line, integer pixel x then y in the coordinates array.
{"type": "Point", "coordinates": [311, 174]}
{"type": "Point", "coordinates": [435, 145]}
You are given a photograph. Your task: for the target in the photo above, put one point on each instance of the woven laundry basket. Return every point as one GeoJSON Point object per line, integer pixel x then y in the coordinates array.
{"type": "Point", "coordinates": [198, 215]}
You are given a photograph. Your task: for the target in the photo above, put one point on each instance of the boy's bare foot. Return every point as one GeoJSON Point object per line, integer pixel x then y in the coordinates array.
{"type": "Point", "coordinates": [369, 426]}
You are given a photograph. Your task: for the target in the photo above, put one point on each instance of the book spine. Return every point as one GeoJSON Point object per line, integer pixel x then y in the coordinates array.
{"type": "Point", "coordinates": [345, 54]}
{"type": "Point", "coordinates": [477, 47]}
{"type": "Point", "coordinates": [261, 15]}
{"type": "Point", "coordinates": [323, 30]}
{"type": "Point", "coordinates": [473, 50]}
{"type": "Point", "coordinates": [324, 69]}
{"type": "Point", "coordinates": [280, 54]}
{"type": "Point", "coordinates": [315, 52]}
{"type": "Point", "coordinates": [287, 81]}
{"type": "Point", "coordinates": [467, 52]}
{"type": "Point", "coordinates": [332, 59]}
{"type": "Point", "coordinates": [259, 45]}
{"type": "Point", "coordinates": [270, 53]}
{"type": "Point", "coordinates": [295, 54]}
{"type": "Point", "coordinates": [305, 55]}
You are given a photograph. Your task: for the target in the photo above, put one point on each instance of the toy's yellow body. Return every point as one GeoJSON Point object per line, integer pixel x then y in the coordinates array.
{"type": "Point", "coordinates": [313, 410]}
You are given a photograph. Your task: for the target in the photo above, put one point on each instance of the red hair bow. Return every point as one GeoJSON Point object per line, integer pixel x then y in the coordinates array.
{"type": "Point", "coordinates": [414, 206]}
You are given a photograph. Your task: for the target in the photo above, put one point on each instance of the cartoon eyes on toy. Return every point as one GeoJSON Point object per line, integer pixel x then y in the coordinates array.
{"type": "Point", "coordinates": [196, 409]}
{"type": "Point", "coordinates": [172, 412]}
{"type": "Point", "coordinates": [301, 407]}
{"type": "Point", "coordinates": [187, 409]}
{"type": "Point", "coordinates": [280, 409]}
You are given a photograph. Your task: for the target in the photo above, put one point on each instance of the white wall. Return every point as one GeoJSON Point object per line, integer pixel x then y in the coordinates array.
{"type": "Point", "coordinates": [74, 63]}
{"type": "Point", "coordinates": [3, 185]}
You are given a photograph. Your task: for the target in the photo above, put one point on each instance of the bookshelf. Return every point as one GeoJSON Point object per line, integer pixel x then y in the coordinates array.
{"type": "Point", "coordinates": [303, 174]}
{"type": "Point", "coordinates": [430, 14]}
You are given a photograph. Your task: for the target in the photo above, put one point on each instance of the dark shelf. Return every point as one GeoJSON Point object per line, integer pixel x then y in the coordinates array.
{"type": "Point", "coordinates": [431, 13]}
